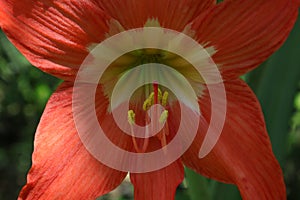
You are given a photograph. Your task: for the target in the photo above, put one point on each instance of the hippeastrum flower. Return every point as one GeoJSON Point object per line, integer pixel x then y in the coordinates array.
{"type": "Point", "coordinates": [56, 36]}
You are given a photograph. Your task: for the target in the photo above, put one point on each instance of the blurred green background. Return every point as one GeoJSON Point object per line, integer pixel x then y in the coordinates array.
{"type": "Point", "coordinates": [24, 91]}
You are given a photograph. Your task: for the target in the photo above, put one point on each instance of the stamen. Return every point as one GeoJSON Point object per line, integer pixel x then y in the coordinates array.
{"type": "Point", "coordinates": [159, 94]}
{"type": "Point", "coordinates": [156, 97]}
{"type": "Point", "coordinates": [165, 131]}
{"type": "Point", "coordinates": [131, 117]}
{"type": "Point", "coordinates": [162, 136]}
{"type": "Point", "coordinates": [131, 121]}
{"type": "Point", "coordinates": [163, 141]}
{"type": "Point", "coordinates": [147, 103]}
{"type": "Point", "coordinates": [163, 117]}
{"type": "Point", "coordinates": [151, 100]}
{"type": "Point", "coordinates": [164, 98]}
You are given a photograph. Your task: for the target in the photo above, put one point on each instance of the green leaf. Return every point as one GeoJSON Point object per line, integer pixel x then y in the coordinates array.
{"type": "Point", "coordinates": [275, 84]}
{"type": "Point", "coordinates": [198, 186]}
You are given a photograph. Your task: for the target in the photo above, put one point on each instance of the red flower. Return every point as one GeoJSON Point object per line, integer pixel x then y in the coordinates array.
{"type": "Point", "coordinates": [55, 36]}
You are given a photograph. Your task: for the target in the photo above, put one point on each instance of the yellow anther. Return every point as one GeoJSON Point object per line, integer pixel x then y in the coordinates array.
{"type": "Point", "coordinates": [147, 104]}
{"type": "Point", "coordinates": [131, 117]}
{"type": "Point", "coordinates": [151, 99]}
{"type": "Point", "coordinates": [163, 117]}
{"type": "Point", "coordinates": [159, 94]}
{"type": "Point", "coordinates": [164, 98]}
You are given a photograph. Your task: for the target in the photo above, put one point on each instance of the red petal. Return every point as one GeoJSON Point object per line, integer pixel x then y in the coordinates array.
{"type": "Point", "coordinates": [243, 154]}
{"type": "Point", "coordinates": [53, 35]}
{"type": "Point", "coordinates": [158, 185]}
{"type": "Point", "coordinates": [62, 167]}
{"type": "Point", "coordinates": [171, 14]}
{"type": "Point", "coordinates": [245, 33]}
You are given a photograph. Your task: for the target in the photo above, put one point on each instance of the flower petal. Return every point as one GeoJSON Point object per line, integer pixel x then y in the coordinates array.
{"type": "Point", "coordinates": [62, 167]}
{"type": "Point", "coordinates": [53, 35]}
{"type": "Point", "coordinates": [243, 154]}
{"type": "Point", "coordinates": [158, 185]}
{"type": "Point", "coordinates": [245, 33]}
{"type": "Point", "coordinates": [170, 14]}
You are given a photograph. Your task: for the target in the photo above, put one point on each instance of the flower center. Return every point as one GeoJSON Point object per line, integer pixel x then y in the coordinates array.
{"type": "Point", "coordinates": [156, 97]}
{"type": "Point", "coordinates": [132, 59]}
